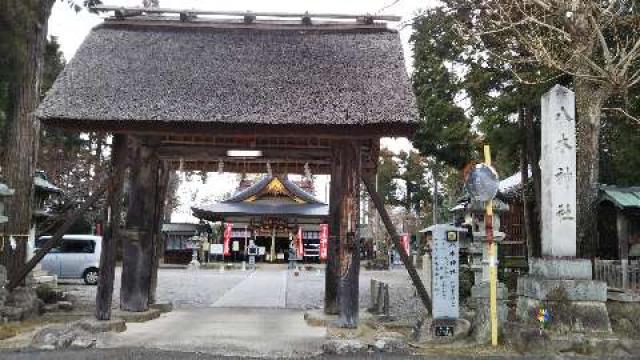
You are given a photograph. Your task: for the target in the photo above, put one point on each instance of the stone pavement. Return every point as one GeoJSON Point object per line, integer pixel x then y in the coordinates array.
{"type": "Point", "coordinates": [261, 289]}
{"type": "Point", "coordinates": [224, 331]}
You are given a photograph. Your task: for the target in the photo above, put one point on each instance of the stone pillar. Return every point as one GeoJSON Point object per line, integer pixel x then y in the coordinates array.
{"type": "Point", "coordinates": [558, 170]}
{"type": "Point", "coordinates": [558, 282]}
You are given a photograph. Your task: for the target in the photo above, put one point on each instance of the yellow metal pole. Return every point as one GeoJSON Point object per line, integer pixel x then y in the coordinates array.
{"type": "Point", "coordinates": [493, 270]}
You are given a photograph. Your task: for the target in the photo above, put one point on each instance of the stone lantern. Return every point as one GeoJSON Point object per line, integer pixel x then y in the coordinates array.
{"type": "Point", "coordinates": [471, 214]}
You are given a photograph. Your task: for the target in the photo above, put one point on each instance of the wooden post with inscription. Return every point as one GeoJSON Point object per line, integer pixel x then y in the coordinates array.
{"type": "Point", "coordinates": [112, 218]}
{"type": "Point", "coordinates": [346, 167]}
{"type": "Point", "coordinates": [137, 242]}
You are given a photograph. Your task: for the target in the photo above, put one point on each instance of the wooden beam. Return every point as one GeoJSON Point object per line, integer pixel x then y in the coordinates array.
{"type": "Point", "coordinates": [112, 218]}
{"type": "Point", "coordinates": [56, 239]}
{"type": "Point", "coordinates": [160, 128]}
{"type": "Point", "coordinates": [395, 238]}
{"type": "Point", "coordinates": [212, 152]}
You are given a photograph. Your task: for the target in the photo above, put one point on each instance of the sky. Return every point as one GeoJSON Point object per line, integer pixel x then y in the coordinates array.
{"type": "Point", "coordinates": [71, 28]}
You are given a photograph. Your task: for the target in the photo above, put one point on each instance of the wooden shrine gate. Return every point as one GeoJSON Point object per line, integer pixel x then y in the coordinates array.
{"type": "Point", "coordinates": [191, 94]}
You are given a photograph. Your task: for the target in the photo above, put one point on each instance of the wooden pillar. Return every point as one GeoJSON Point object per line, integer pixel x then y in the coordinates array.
{"type": "Point", "coordinates": [333, 243]}
{"type": "Point", "coordinates": [112, 218]}
{"type": "Point", "coordinates": [622, 227]}
{"type": "Point", "coordinates": [137, 245]}
{"type": "Point", "coordinates": [158, 242]}
{"type": "Point", "coordinates": [346, 168]}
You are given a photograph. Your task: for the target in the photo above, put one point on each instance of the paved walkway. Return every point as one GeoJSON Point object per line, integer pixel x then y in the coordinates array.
{"type": "Point", "coordinates": [251, 332]}
{"type": "Point", "coordinates": [261, 289]}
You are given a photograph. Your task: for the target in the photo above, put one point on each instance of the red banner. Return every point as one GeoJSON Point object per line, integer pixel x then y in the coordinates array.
{"type": "Point", "coordinates": [404, 239]}
{"type": "Point", "coordinates": [324, 240]}
{"type": "Point", "coordinates": [299, 243]}
{"type": "Point", "coordinates": [227, 238]}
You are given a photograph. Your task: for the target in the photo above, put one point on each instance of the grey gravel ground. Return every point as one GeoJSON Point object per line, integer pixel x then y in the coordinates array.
{"type": "Point", "coordinates": [200, 288]}
{"type": "Point", "coordinates": [184, 288]}
{"type": "Point", "coordinates": [306, 291]}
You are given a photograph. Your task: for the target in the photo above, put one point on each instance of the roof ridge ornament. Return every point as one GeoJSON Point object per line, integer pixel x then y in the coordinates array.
{"type": "Point", "coordinates": [249, 17]}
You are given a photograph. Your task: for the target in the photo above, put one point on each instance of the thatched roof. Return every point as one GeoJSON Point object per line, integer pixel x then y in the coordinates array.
{"type": "Point", "coordinates": [152, 75]}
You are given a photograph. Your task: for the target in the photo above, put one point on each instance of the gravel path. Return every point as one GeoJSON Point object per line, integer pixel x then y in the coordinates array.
{"type": "Point", "coordinates": [202, 288]}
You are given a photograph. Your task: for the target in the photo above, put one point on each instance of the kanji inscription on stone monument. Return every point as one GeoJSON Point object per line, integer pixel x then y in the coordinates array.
{"type": "Point", "coordinates": [445, 267]}
{"type": "Point", "coordinates": [557, 165]}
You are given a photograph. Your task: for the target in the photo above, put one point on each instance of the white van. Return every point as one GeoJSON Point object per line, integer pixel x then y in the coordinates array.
{"type": "Point", "coordinates": [77, 257]}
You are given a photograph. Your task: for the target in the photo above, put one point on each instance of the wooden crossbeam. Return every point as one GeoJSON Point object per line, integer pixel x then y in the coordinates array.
{"type": "Point", "coordinates": [56, 239]}
{"type": "Point", "coordinates": [413, 274]}
{"type": "Point", "coordinates": [248, 16]}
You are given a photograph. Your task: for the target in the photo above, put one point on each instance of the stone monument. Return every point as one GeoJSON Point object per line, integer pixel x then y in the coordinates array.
{"type": "Point", "coordinates": [445, 270]}
{"type": "Point", "coordinates": [559, 282]}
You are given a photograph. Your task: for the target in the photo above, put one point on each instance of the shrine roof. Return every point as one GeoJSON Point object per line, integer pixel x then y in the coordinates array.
{"type": "Point", "coordinates": [622, 197]}
{"type": "Point", "coordinates": [244, 202]}
{"type": "Point", "coordinates": [152, 75]}
{"type": "Point", "coordinates": [261, 186]}
{"type": "Point", "coordinates": [220, 210]}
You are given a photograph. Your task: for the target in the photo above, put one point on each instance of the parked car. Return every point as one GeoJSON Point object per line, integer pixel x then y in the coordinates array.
{"type": "Point", "coordinates": [77, 257]}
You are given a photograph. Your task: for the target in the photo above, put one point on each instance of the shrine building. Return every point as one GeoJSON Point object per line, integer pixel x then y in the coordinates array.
{"type": "Point", "coordinates": [273, 211]}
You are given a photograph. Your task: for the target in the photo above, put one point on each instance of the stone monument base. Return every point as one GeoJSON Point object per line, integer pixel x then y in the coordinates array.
{"type": "Point", "coordinates": [564, 288]}
{"type": "Point", "coordinates": [480, 302]}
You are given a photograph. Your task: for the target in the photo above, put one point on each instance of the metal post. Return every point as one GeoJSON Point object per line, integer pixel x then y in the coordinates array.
{"type": "Point", "coordinates": [493, 261]}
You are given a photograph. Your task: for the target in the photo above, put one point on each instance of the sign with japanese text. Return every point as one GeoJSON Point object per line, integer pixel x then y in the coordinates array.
{"type": "Point", "coordinates": [445, 271]}
{"type": "Point", "coordinates": [324, 240]}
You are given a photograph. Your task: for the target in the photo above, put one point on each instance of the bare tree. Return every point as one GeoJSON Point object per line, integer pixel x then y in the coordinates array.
{"type": "Point", "coordinates": [594, 41]}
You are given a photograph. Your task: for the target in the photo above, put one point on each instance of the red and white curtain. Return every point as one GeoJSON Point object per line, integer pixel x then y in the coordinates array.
{"type": "Point", "coordinates": [227, 238]}
{"type": "Point", "coordinates": [299, 243]}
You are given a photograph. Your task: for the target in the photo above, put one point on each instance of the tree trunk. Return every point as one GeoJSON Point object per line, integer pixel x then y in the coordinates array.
{"type": "Point", "coordinates": [346, 160]}
{"type": "Point", "coordinates": [531, 202]}
{"type": "Point", "coordinates": [590, 97]}
{"type": "Point", "coordinates": [524, 178]}
{"type": "Point", "coordinates": [533, 156]}
{"type": "Point", "coordinates": [137, 247]}
{"type": "Point", "coordinates": [27, 25]}
{"type": "Point", "coordinates": [113, 220]}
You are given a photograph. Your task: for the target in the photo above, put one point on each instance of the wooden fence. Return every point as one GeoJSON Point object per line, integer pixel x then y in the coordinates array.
{"type": "Point", "coordinates": [618, 274]}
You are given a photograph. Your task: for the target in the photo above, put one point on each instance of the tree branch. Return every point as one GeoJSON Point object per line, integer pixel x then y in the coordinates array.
{"type": "Point", "coordinates": [625, 113]}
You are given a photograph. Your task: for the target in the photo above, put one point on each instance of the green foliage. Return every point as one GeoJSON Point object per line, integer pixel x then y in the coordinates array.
{"type": "Point", "coordinates": [387, 173]}
{"type": "Point", "coordinates": [620, 146]}
{"type": "Point", "coordinates": [445, 130]}
{"type": "Point", "coordinates": [413, 176]}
